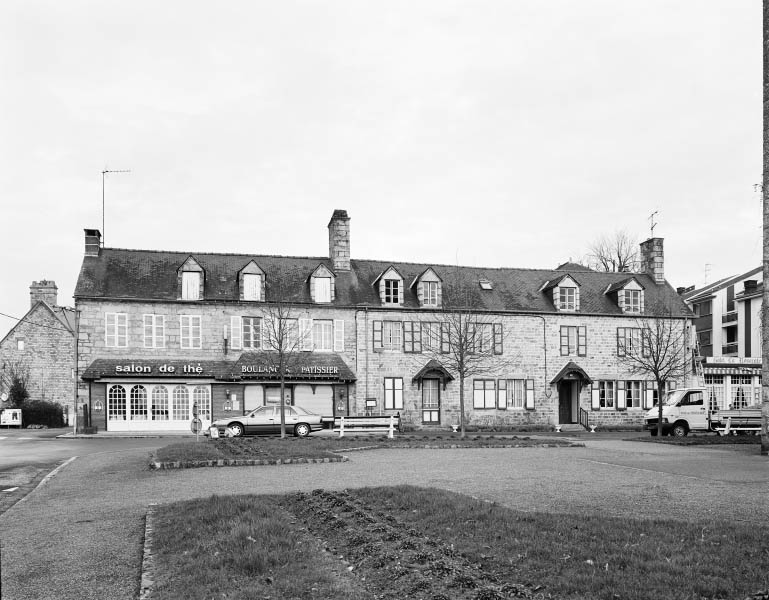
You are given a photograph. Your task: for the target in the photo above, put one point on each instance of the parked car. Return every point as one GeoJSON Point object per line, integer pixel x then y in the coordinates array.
{"type": "Point", "coordinates": [266, 419]}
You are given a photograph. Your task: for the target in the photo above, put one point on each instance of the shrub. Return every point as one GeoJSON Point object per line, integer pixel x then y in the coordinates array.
{"type": "Point", "coordinates": [42, 412]}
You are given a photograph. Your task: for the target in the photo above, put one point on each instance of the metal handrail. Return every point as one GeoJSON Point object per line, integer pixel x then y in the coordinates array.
{"type": "Point", "coordinates": [584, 418]}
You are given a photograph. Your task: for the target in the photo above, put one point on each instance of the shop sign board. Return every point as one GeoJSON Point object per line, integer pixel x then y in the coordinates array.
{"type": "Point", "coordinates": [10, 417]}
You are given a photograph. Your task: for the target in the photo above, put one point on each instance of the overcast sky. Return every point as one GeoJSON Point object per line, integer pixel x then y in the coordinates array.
{"type": "Point", "coordinates": [489, 133]}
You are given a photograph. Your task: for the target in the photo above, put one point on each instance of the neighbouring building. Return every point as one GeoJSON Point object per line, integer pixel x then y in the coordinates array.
{"type": "Point", "coordinates": [728, 329]}
{"type": "Point", "coordinates": [163, 332]}
{"type": "Point", "coordinates": [41, 348]}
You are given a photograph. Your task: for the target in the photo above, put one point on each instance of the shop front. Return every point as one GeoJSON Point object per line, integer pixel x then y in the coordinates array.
{"type": "Point", "coordinates": [733, 382]}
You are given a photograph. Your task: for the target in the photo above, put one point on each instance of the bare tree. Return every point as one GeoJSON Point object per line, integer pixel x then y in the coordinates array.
{"type": "Point", "coordinates": [466, 342]}
{"type": "Point", "coordinates": [657, 347]}
{"type": "Point", "coordinates": [614, 253]}
{"type": "Point", "coordinates": [287, 345]}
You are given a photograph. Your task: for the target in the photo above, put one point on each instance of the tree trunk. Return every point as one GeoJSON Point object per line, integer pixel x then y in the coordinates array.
{"type": "Point", "coordinates": [660, 398]}
{"type": "Point", "coordinates": [462, 403]}
{"type": "Point", "coordinates": [282, 405]}
{"type": "Point", "coordinates": [765, 305]}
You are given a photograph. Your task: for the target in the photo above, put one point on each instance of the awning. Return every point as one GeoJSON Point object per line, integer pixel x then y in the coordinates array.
{"type": "Point", "coordinates": [572, 371]}
{"type": "Point", "coordinates": [309, 366]}
{"type": "Point", "coordinates": [107, 368]}
{"type": "Point", "coordinates": [433, 370]}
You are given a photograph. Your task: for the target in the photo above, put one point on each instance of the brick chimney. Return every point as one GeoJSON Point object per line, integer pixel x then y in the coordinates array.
{"type": "Point", "coordinates": [653, 260]}
{"type": "Point", "coordinates": [339, 240]}
{"type": "Point", "coordinates": [751, 286]}
{"type": "Point", "coordinates": [92, 242]}
{"type": "Point", "coordinates": [45, 291]}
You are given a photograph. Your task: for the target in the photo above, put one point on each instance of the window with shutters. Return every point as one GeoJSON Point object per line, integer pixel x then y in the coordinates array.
{"type": "Point", "coordinates": [512, 393]}
{"type": "Point", "coordinates": [484, 391]}
{"type": "Point", "coordinates": [252, 333]}
{"type": "Point", "coordinates": [573, 340]}
{"type": "Point", "coordinates": [252, 286]}
{"type": "Point", "coordinates": [154, 331]}
{"type": "Point", "coordinates": [630, 342]}
{"type": "Point", "coordinates": [388, 335]}
{"type": "Point", "coordinates": [606, 394]}
{"type": "Point", "coordinates": [633, 394]}
{"type": "Point", "coordinates": [412, 336]}
{"type": "Point", "coordinates": [393, 393]}
{"type": "Point", "coordinates": [431, 337]}
{"type": "Point", "coordinates": [116, 330]}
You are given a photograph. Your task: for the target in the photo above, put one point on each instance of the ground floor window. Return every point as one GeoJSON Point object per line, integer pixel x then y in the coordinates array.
{"type": "Point", "coordinates": [148, 402]}
{"type": "Point", "coordinates": [741, 391]}
{"type": "Point", "coordinates": [393, 391]}
{"type": "Point", "coordinates": [483, 393]}
{"type": "Point", "coordinates": [431, 399]}
{"type": "Point", "coordinates": [606, 394]}
{"type": "Point", "coordinates": [633, 394]}
{"type": "Point", "coordinates": [512, 393]}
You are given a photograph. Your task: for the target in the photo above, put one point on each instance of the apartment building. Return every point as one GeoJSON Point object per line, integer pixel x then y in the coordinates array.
{"type": "Point", "coordinates": [163, 332]}
{"type": "Point", "coordinates": [728, 329]}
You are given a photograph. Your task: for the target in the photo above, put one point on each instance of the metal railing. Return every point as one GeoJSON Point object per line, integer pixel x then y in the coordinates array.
{"type": "Point", "coordinates": [584, 418]}
{"type": "Point", "coordinates": [730, 348]}
{"type": "Point", "coordinates": [729, 317]}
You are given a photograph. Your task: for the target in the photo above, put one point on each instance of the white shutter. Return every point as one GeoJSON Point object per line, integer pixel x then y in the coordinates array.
{"type": "Point", "coordinates": [502, 394]}
{"type": "Point", "coordinates": [595, 403]}
{"type": "Point", "coordinates": [621, 398]}
{"type": "Point", "coordinates": [338, 335]}
{"type": "Point", "coordinates": [529, 394]}
{"type": "Point", "coordinates": [305, 334]}
{"type": "Point", "coordinates": [252, 286]}
{"type": "Point", "coordinates": [649, 395]}
{"type": "Point", "coordinates": [236, 333]}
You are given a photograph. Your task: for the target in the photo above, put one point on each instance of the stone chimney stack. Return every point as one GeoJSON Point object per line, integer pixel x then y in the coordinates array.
{"type": "Point", "coordinates": [92, 242]}
{"type": "Point", "coordinates": [653, 260]}
{"type": "Point", "coordinates": [45, 291]}
{"type": "Point", "coordinates": [339, 240]}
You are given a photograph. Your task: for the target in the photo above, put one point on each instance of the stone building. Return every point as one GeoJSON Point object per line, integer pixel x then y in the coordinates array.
{"type": "Point", "coordinates": [161, 332]}
{"type": "Point", "coordinates": [41, 346]}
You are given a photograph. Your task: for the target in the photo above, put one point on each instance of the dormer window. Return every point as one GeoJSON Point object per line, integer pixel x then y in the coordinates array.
{"type": "Point", "coordinates": [322, 284]}
{"type": "Point", "coordinates": [190, 285]}
{"type": "Point", "coordinates": [427, 287]}
{"type": "Point", "coordinates": [190, 280]}
{"type": "Point", "coordinates": [252, 287]}
{"type": "Point", "coordinates": [633, 301]}
{"type": "Point", "coordinates": [251, 283]}
{"type": "Point", "coordinates": [567, 298]}
{"type": "Point", "coordinates": [391, 291]}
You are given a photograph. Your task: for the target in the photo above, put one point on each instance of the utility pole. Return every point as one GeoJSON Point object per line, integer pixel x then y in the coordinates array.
{"type": "Point", "coordinates": [103, 173]}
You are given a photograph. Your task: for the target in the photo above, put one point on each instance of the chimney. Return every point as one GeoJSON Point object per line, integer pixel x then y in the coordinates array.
{"type": "Point", "coordinates": [653, 260]}
{"type": "Point", "coordinates": [92, 242]}
{"type": "Point", "coordinates": [43, 291]}
{"type": "Point", "coordinates": [339, 240]}
{"type": "Point", "coordinates": [751, 285]}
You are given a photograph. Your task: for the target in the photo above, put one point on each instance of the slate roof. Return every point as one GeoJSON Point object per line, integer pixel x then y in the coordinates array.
{"type": "Point", "coordinates": [122, 274]}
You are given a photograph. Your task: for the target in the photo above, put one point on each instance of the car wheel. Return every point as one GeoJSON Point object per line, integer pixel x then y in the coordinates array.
{"type": "Point", "coordinates": [680, 430]}
{"type": "Point", "coordinates": [236, 429]}
{"type": "Point", "coordinates": [302, 430]}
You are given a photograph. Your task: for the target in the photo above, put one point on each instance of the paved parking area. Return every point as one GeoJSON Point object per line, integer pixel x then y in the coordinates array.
{"type": "Point", "coordinates": [89, 518]}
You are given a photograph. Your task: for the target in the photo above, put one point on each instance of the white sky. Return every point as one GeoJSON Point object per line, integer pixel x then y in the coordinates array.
{"type": "Point", "coordinates": [490, 133]}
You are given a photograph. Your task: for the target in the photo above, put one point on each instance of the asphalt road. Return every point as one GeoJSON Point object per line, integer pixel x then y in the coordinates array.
{"type": "Point", "coordinates": [80, 534]}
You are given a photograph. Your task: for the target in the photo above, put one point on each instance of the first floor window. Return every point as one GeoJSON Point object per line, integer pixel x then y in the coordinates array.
{"type": "Point", "coordinates": [573, 340]}
{"type": "Point", "coordinates": [154, 331]}
{"type": "Point", "coordinates": [388, 335]}
{"type": "Point", "coordinates": [393, 390]}
{"type": "Point", "coordinates": [606, 394]}
{"type": "Point", "coordinates": [483, 393]}
{"type": "Point", "coordinates": [190, 331]}
{"type": "Point", "coordinates": [116, 330]}
{"type": "Point", "coordinates": [431, 337]}
{"type": "Point", "coordinates": [252, 333]}
{"type": "Point", "coordinates": [323, 335]}
{"type": "Point", "coordinates": [431, 395]}
{"type": "Point", "coordinates": [629, 341]}
{"type": "Point", "coordinates": [633, 394]}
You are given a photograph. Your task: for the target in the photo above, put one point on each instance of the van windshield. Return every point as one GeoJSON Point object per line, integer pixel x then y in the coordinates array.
{"type": "Point", "coordinates": [672, 397]}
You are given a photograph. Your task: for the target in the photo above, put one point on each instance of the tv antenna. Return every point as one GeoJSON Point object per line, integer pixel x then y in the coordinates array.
{"type": "Point", "coordinates": [103, 173]}
{"type": "Point", "coordinates": [707, 272]}
{"type": "Point", "coordinates": [652, 222]}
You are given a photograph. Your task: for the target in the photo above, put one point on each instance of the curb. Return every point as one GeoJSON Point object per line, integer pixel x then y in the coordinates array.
{"type": "Point", "coordinates": [237, 462]}
{"type": "Point", "coordinates": [148, 559]}
{"type": "Point", "coordinates": [46, 479]}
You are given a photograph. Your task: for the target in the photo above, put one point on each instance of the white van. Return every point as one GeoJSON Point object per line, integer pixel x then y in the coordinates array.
{"type": "Point", "coordinates": [683, 410]}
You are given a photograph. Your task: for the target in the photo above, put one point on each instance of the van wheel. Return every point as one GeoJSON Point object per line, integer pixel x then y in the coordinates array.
{"type": "Point", "coordinates": [654, 432]}
{"type": "Point", "coordinates": [680, 430]}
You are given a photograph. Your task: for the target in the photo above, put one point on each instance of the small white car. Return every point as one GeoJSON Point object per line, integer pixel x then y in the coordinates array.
{"type": "Point", "coordinates": [266, 419]}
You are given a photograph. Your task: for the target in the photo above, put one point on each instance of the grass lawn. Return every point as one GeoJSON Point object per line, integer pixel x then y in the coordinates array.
{"type": "Point", "coordinates": [274, 448]}
{"type": "Point", "coordinates": [413, 543]}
